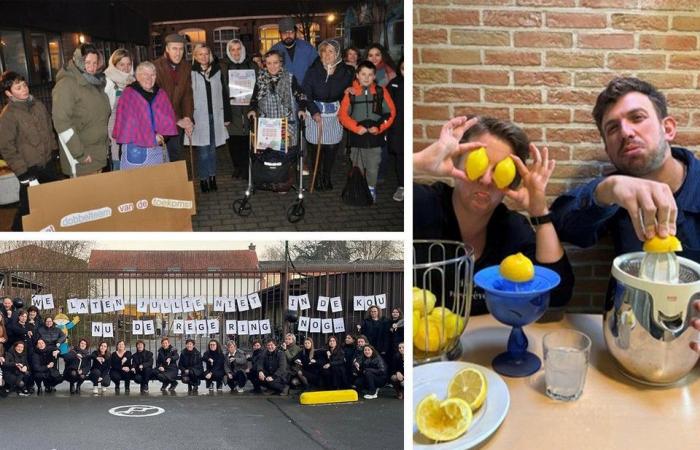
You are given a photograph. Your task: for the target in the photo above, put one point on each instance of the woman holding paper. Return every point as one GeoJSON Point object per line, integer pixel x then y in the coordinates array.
{"type": "Point", "coordinates": [99, 372]}
{"type": "Point", "coordinates": [324, 86]}
{"type": "Point", "coordinates": [239, 126]}
{"type": "Point", "coordinates": [78, 363]}
{"type": "Point", "coordinates": [211, 113]}
{"type": "Point", "coordinates": [190, 365]}
{"type": "Point", "coordinates": [166, 365]}
{"type": "Point", "coordinates": [214, 366]}
{"type": "Point", "coordinates": [120, 363]}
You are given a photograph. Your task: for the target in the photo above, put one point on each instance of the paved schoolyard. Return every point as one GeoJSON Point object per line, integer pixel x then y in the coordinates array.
{"type": "Point", "coordinates": [208, 421]}
{"type": "Point", "coordinates": [325, 211]}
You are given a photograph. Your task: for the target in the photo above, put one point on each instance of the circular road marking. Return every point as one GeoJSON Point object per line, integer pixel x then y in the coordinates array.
{"type": "Point", "coordinates": [136, 411]}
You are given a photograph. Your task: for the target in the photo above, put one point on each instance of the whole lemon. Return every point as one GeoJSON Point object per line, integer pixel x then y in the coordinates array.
{"type": "Point", "coordinates": [423, 300]}
{"type": "Point", "coordinates": [663, 245]}
{"type": "Point", "coordinates": [476, 164]}
{"type": "Point", "coordinates": [504, 173]}
{"type": "Point", "coordinates": [517, 268]}
{"type": "Point", "coordinates": [416, 321]}
{"type": "Point", "coordinates": [429, 335]}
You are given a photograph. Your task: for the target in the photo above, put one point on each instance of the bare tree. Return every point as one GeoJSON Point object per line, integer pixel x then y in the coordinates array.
{"type": "Point", "coordinates": [274, 252]}
{"type": "Point", "coordinates": [305, 15]}
{"type": "Point", "coordinates": [376, 250]}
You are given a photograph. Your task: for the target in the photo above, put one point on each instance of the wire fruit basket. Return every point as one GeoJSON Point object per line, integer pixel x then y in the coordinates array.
{"type": "Point", "coordinates": [442, 293]}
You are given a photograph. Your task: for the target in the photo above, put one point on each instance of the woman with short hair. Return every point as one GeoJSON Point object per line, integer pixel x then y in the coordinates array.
{"type": "Point", "coordinates": [45, 367]}
{"type": "Point", "coordinates": [190, 365]}
{"type": "Point", "coordinates": [16, 370]}
{"type": "Point", "coordinates": [120, 363]}
{"type": "Point", "coordinates": [214, 366]}
{"type": "Point", "coordinates": [142, 366]}
{"type": "Point", "coordinates": [236, 365]}
{"type": "Point", "coordinates": [77, 365]}
{"type": "Point", "coordinates": [166, 365]}
{"type": "Point", "coordinates": [99, 372]}
{"type": "Point", "coordinates": [144, 116]}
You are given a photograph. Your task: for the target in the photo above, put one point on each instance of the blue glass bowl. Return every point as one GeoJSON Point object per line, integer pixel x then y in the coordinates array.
{"type": "Point", "coordinates": [516, 304]}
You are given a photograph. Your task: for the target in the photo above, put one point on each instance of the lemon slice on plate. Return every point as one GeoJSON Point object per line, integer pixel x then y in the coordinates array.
{"type": "Point", "coordinates": [443, 421]}
{"type": "Point", "coordinates": [469, 385]}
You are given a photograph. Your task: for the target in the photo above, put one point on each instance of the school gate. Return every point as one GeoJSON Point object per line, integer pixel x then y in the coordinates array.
{"type": "Point", "coordinates": [203, 305]}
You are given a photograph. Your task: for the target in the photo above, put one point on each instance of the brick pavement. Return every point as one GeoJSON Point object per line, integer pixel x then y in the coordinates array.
{"type": "Point", "coordinates": [325, 211]}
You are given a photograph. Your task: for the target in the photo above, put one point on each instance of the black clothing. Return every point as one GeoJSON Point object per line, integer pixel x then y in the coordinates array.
{"type": "Point", "coordinates": [190, 365]}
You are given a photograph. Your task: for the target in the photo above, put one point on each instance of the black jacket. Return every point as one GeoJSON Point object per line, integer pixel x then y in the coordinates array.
{"type": "Point", "coordinates": [116, 362]}
{"type": "Point", "coordinates": [395, 87]}
{"type": "Point", "coordinates": [375, 365]}
{"type": "Point", "coordinates": [397, 363]}
{"type": "Point", "coordinates": [102, 367]}
{"type": "Point", "coordinates": [163, 355]}
{"type": "Point", "coordinates": [12, 358]}
{"type": "Point", "coordinates": [318, 86]}
{"type": "Point", "coordinates": [305, 356]}
{"type": "Point", "coordinates": [41, 359]}
{"type": "Point", "coordinates": [338, 358]}
{"type": "Point", "coordinates": [254, 358]}
{"type": "Point", "coordinates": [73, 362]}
{"type": "Point", "coordinates": [52, 336]}
{"type": "Point", "coordinates": [377, 331]}
{"type": "Point", "coordinates": [144, 358]}
{"type": "Point", "coordinates": [273, 364]}
{"type": "Point", "coordinates": [191, 360]}
{"type": "Point", "coordinates": [349, 351]}
{"type": "Point", "coordinates": [18, 332]}
{"type": "Point", "coordinates": [217, 367]}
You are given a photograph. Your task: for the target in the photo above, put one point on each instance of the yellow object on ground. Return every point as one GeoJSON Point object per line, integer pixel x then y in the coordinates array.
{"type": "Point", "coordinates": [665, 245]}
{"type": "Point", "coordinates": [470, 385]}
{"type": "Point", "coordinates": [517, 268]}
{"type": "Point", "coordinates": [423, 300]}
{"type": "Point", "coordinates": [443, 421]}
{"type": "Point", "coordinates": [476, 164]}
{"type": "Point", "coordinates": [322, 397]}
{"type": "Point", "coordinates": [504, 173]}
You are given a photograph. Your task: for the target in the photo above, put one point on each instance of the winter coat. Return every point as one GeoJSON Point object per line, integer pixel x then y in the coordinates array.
{"type": "Point", "coordinates": [291, 353]}
{"type": "Point", "coordinates": [26, 135]}
{"type": "Point", "coordinates": [396, 336]}
{"type": "Point", "coordinates": [3, 334]}
{"type": "Point", "coordinates": [234, 362]}
{"type": "Point", "coordinates": [138, 120]}
{"type": "Point", "coordinates": [52, 336]}
{"type": "Point", "coordinates": [273, 364]}
{"type": "Point", "coordinates": [254, 358]}
{"type": "Point", "coordinates": [397, 363]}
{"type": "Point", "coordinates": [270, 105]}
{"type": "Point", "coordinates": [83, 108]}
{"type": "Point", "coordinates": [318, 86]}
{"type": "Point", "coordinates": [377, 332]}
{"type": "Point", "coordinates": [102, 367]}
{"type": "Point", "coordinates": [304, 55]}
{"type": "Point", "coordinates": [306, 356]}
{"type": "Point", "coordinates": [384, 74]}
{"type": "Point", "coordinates": [349, 353]}
{"type": "Point", "coordinates": [180, 92]}
{"type": "Point", "coordinates": [18, 332]}
{"type": "Point", "coordinates": [360, 107]}
{"type": "Point", "coordinates": [144, 358]}
{"type": "Point", "coordinates": [73, 362]}
{"type": "Point", "coordinates": [116, 362]}
{"type": "Point", "coordinates": [217, 367]}
{"type": "Point", "coordinates": [41, 358]}
{"type": "Point", "coordinates": [239, 124]}
{"type": "Point", "coordinates": [12, 358]}
{"type": "Point", "coordinates": [163, 355]}
{"type": "Point", "coordinates": [395, 89]}
{"type": "Point", "coordinates": [192, 360]}
{"type": "Point", "coordinates": [210, 95]}
{"type": "Point", "coordinates": [374, 365]}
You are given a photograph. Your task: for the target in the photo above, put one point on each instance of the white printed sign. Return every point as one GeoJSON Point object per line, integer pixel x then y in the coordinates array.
{"type": "Point", "coordinates": [154, 305]}
{"type": "Point", "coordinates": [315, 326]}
{"type": "Point", "coordinates": [336, 304]}
{"type": "Point", "coordinates": [201, 326]}
{"type": "Point", "coordinates": [95, 305]}
{"type": "Point", "coordinates": [198, 303]}
{"type": "Point", "coordinates": [338, 325]}
{"type": "Point", "coordinates": [178, 326]}
{"type": "Point", "coordinates": [230, 305]}
{"type": "Point", "coordinates": [242, 303]}
{"type": "Point", "coordinates": [107, 305]}
{"type": "Point", "coordinates": [293, 303]}
{"type": "Point", "coordinates": [265, 327]}
{"type": "Point", "coordinates": [177, 305]}
{"type": "Point", "coordinates": [213, 326]}
{"type": "Point", "coordinates": [107, 330]}
{"type": "Point", "coordinates": [322, 304]}
{"type": "Point", "coordinates": [242, 327]}
{"type": "Point", "coordinates": [119, 304]}
{"type": "Point", "coordinates": [231, 327]}
{"type": "Point", "coordinates": [241, 84]}
{"type": "Point", "coordinates": [253, 327]}
{"type": "Point", "coordinates": [269, 134]}
{"type": "Point", "coordinates": [304, 302]}
{"type": "Point", "coordinates": [137, 327]}
{"type": "Point", "coordinates": [254, 301]}
{"type": "Point", "coordinates": [327, 325]}
{"type": "Point", "coordinates": [219, 304]}
{"type": "Point", "coordinates": [148, 327]}
{"type": "Point", "coordinates": [303, 324]}
{"type": "Point", "coordinates": [142, 305]}
{"type": "Point", "coordinates": [380, 301]}
{"type": "Point", "coordinates": [96, 329]}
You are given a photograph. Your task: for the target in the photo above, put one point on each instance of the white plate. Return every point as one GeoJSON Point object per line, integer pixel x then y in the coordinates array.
{"type": "Point", "coordinates": [433, 379]}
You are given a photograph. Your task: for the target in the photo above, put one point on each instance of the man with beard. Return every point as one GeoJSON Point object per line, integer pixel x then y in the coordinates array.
{"type": "Point", "coordinates": [174, 77]}
{"type": "Point", "coordinates": [655, 189]}
{"type": "Point", "coordinates": [298, 54]}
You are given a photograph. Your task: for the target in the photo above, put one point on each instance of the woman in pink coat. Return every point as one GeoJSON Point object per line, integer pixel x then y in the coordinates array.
{"type": "Point", "coordinates": [144, 116]}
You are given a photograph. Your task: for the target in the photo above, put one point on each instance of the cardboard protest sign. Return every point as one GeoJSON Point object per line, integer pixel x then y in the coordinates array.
{"type": "Point", "coordinates": [240, 86]}
{"type": "Point", "coordinates": [153, 198]}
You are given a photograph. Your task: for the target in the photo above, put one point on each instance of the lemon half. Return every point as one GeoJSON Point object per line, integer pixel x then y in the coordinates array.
{"type": "Point", "coordinates": [470, 385]}
{"type": "Point", "coordinates": [443, 421]}
{"type": "Point", "coordinates": [663, 245]}
{"type": "Point", "coordinates": [517, 268]}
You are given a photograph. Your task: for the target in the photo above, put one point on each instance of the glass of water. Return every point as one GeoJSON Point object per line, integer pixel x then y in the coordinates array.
{"type": "Point", "coordinates": [566, 355]}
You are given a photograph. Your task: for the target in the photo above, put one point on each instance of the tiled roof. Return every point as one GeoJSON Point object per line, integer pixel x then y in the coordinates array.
{"type": "Point", "coordinates": [173, 260]}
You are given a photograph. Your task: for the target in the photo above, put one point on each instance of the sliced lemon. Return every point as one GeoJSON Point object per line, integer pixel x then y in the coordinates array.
{"type": "Point", "coordinates": [663, 245]}
{"type": "Point", "coordinates": [423, 300]}
{"type": "Point", "coordinates": [469, 385]}
{"type": "Point", "coordinates": [517, 268]}
{"type": "Point", "coordinates": [476, 164]}
{"type": "Point", "coordinates": [504, 173]}
{"type": "Point", "coordinates": [443, 421]}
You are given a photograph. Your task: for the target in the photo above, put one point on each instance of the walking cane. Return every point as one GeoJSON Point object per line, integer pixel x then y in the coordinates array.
{"type": "Point", "coordinates": [319, 137]}
{"type": "Point", "coordinates": [191, 159]}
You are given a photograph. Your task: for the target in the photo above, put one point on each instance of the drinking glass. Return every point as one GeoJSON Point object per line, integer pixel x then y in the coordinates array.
{"type": "Point", "coordinates": [566, 355]}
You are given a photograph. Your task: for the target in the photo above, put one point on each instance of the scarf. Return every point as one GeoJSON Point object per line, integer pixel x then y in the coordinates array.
{"type": "Point", "coordinates": [148, 96]}
{"type": "Point", "coordinates": [281, 84]}
{"type": "Point", "coordinates": [119, 78]}
{"type": "Point", "coordinates": [28, 101]}
{"type": "Point", "coordinates": [243, 53]}
{"type": "Point", "coordinates": [338, 58]}
{"type": "Point", "coordinates": [98, 79]}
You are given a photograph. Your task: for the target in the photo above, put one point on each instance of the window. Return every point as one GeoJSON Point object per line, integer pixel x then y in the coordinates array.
{"type": "Point", "coordinates": [14, 57]}
{"type": "Point", "coordinates": [156, 45]}
{"type": "Point", "coordinates": [340, 30]}
{"type": "Point", "coordinates": [221, 37]}
{"type": "Point", "coordinates": [41, 69]}
{"type": "Point", "coordinates": [397, 33]}
{"type": "Point", "coordinates": [194, 36]}
{"type": "Point", "coordinates": [269, 36]}
{"type": "Point", "coordinates": [55, 55]}
{"type": "Point", "coordinates": [361, 37]}
{"type": "Point", "coordinates": [141, 55]}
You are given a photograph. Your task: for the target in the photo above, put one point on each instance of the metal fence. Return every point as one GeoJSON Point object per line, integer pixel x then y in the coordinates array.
{"type": "Point", "coordinates": [272, 287]}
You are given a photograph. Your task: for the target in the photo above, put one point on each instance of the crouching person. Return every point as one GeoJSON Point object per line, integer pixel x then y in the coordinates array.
{"type": "Point", "coordinates": [77, 366]}
{"type": "Point", "coordinates": [372, 373]}
{"type": "Point", "coordinates": [252, 371]}
{"type": "Point", "coordinates": [190, 365]}
{"type": "Point", "coordinates": [142, 366]}
{"type": "Point", "coordinates": [120, 363]}
{"type": "Point", "coordinates": [99, 372]}
{"type": "Point", "coordinates": [272, 369]}
{"type": "Point", "coordinates": [15, 370]}
{"type": "Point", "coordinates": [235, 367]}
{"type": "Point", "coordinates": [44, 362]}
{"type": "Point", "coordinates": [397, 372]}
{"type": "Point", "coordinates": [214, 366]}
{"type": "Point", "coordinates": [166, 365]}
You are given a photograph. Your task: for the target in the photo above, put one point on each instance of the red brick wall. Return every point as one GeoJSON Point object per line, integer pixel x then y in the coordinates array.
{"type": "Point", "coordinates": [541, 64]}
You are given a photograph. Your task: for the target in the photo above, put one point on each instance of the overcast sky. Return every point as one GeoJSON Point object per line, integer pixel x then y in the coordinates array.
{"type": "Point", "coordinates": [219, 244]}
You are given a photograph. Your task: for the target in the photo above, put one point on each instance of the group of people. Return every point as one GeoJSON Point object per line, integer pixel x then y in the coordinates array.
{"type": "Point", "coordinates": [30, 354]}
{"type": "Point", "coordinates": [122, 118]}
{"type": "Point", "coordinates": [653, 192]}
